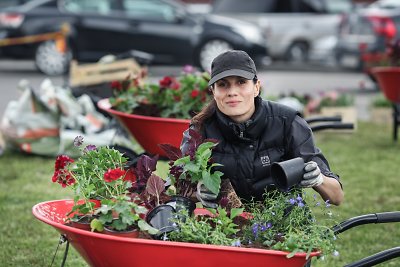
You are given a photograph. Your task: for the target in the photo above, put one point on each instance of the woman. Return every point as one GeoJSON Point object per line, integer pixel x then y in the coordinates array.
{"type": "Point", "coordinates": [254, 133]}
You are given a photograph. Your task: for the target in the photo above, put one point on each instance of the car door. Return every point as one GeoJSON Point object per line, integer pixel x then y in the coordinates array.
{"type": "Point", "coordinates": [117, 26]}
{"type": "Point", "coordinates": [160, 28]}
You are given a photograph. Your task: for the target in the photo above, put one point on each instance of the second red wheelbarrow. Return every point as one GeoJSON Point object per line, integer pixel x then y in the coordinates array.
{"type": "Point", "coordinates": [149, 131]}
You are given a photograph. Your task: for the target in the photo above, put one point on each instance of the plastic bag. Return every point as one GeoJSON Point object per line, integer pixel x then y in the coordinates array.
{"type": "Point", "coordinates": [47, 123]}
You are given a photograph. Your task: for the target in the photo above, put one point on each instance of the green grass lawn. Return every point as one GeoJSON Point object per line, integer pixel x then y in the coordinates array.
{"type": "Point", "coordinates": [367, 161]}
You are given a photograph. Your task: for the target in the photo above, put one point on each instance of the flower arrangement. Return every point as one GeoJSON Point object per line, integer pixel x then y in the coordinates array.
{"type": "Point", "coordinates": [389, 57]}
{"type": "Point", "coordinates": [329, 99]}
{"type": "Point", "coordinates": [173, 97]}
{"type": "Point", "coordinates": [101, 184]}
{"type": "Point", "coordinates": [283, 221]}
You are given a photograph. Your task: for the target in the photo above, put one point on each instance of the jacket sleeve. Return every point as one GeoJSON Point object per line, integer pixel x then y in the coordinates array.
{"type": "Point", "coordinates": [301, 144]}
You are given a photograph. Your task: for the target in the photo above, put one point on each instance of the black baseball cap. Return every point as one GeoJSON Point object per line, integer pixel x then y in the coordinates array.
{"type": "Point", "coordinates": [232, 63]}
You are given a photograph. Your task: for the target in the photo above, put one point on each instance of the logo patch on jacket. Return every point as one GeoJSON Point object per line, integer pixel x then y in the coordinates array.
{"type": "Point", "coordinates": [265, 161]}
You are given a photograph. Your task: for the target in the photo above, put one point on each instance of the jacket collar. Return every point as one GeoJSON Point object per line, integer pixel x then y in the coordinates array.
{"type": "Point", "coordinates": [247, 131]}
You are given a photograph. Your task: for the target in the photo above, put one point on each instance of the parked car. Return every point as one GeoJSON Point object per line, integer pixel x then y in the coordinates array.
{"type": "Point", "coordinates": [162, 28]}
{"type": "Point", "coordinates": [291, 26]}
{"type": "Point", "coordinates": [366, 32]}
{"type": "Point", "coordinates": [11, 3]}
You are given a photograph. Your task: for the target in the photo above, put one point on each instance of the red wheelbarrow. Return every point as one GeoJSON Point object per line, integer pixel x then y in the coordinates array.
{"type": "Point", "coordinates": [104, 250]}
{"type": "Point", "coordinates": [149, 131]}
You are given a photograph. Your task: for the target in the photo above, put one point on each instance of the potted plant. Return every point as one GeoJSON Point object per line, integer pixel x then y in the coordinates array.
{"type": "Point", "coordinates": [144, 108]}
{"type": "Point", "coordinates": [333, 103]}
{"type": "Point", "coordinates": [121, 216]}
{"type": "Point", "coordinates": [194, 166]}
{"type": "Point", "coordinates": [283, 221]}
{"type": "Point", "coordinates": [97, 177]}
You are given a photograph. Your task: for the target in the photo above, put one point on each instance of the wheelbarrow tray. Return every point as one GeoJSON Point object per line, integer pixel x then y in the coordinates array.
{"type": "Point", "coordinates": [149, 131]}
{"type": "Point", "coordinates": [104, 250]}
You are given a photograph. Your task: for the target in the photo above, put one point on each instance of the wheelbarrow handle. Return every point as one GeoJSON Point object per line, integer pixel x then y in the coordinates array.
{"type": "Point", "coordinates": [332, 125]}
{"type": "Point", "coordinates": [377, 258]}
{"type": "Point", "coordinates": [382, 217]}
{"type": "Point", "coordinates": [313, 119]}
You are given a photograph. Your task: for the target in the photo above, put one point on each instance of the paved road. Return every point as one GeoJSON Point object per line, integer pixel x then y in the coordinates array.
{"type": "Point", "coordinates": [276, 79]}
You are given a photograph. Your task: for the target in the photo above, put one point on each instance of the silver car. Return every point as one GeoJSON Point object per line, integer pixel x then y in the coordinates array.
{"type": "Point", "coordinates": [291, 26]}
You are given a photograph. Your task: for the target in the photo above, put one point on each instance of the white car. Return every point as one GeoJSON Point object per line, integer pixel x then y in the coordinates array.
{"type": "Point", "coordinates": [291, 26]}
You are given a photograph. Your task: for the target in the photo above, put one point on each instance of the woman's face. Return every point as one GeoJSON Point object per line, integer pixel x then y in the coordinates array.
{"type": "Point", "coordinates": [235, 97]}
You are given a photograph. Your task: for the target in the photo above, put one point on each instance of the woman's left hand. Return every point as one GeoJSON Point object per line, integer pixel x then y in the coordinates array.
{"type": "Point", "coordinates": [312, 175]}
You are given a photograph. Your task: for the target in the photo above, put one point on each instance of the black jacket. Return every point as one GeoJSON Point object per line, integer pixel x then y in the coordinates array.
{"type": "Point", "coordinates": [274, 133]}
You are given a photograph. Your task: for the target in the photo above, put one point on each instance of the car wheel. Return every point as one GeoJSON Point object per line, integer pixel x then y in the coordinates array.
{"type": "Point", "coordinates": [209, 50]}
{"type": "Point", "coordinates": [50, 61]}
{"type": "Point", "coordinates": [298, 52]}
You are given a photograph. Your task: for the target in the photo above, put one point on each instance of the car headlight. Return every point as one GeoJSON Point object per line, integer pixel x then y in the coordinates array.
{"type": "Point", "coordinates": [252, 34]}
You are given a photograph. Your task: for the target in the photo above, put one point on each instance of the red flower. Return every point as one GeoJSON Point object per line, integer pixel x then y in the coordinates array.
{"type": "Point", "coordinates": [61, 162]}
{"type": "Point", "coordinates": [166, 82]}
{"type": "Point", "coordinates": [113, 174]}
{"type": "Point", "coordinates": [116, 85]}
{"type": "Point", "coordinates": [63, 177]}
{"type": "Point", "coordinates": [195, 93]}
{"type": "Point", "coordinates": [175, 85]}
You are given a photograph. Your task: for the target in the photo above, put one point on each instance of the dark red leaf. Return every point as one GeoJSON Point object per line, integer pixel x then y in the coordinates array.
{"type": "Point", "coordinates": [155, 185]}
{"type": "Point", "coordinates": [172, 152]}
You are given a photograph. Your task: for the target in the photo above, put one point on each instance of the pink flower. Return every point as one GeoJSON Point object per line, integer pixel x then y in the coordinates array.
{"type": "Point", "coordinates": [188, 69]}
{"type": "Point", "coordinates": [113, 174]}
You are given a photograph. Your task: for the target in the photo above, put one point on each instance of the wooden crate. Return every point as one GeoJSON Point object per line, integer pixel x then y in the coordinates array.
{"type": "Point", "coordinates": [97, 73]}
{"type": "Point", "coordinates": [348, 114]}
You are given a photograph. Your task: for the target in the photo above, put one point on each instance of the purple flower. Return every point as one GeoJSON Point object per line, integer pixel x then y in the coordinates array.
{"type": "Point", "coordinates": [89, 148]}
{"type": "Point", "coordinates": [78, 141]}
{"type": "Point", "coordinates": [317, 204]}
{"type": "Point", "coordinates": [300, 204]}
{"type": "Point", "coordinates": [269, 225]}
{"type": "Point", "coordinates": [299, 198]}
{"type": "Point", "coordinates": [292, 201]}
{"type": "Point", "coordinates": [255, 229]}
{"type": "Point", "coordinates": [327, 204]}
{"type": "Point", "coordinates": [188, 69]}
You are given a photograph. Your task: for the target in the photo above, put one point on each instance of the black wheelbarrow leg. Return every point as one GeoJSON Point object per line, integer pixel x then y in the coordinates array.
{"type": "Point", "coordinates": [396, 120]}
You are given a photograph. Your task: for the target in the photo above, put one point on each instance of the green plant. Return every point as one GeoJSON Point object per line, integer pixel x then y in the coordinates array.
{"type": "Point", "coordinates": [193, 166]}
{"type": "Point", "coordinates": [97, 174]}
{"type": "Point", "coordinates": [121, 213]}
{"type": "Point", "coordinates": [336, 99]}
{"type": "Point", "coordinates": [217, 230]}
{"type": "Point", "coordinates": [283, 221]}
{"type": "Point", "coordinates": [173, 97]}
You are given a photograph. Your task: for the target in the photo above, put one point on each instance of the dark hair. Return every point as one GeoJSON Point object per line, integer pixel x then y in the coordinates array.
{"type": "Point", "coordinates": [199, 119]}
